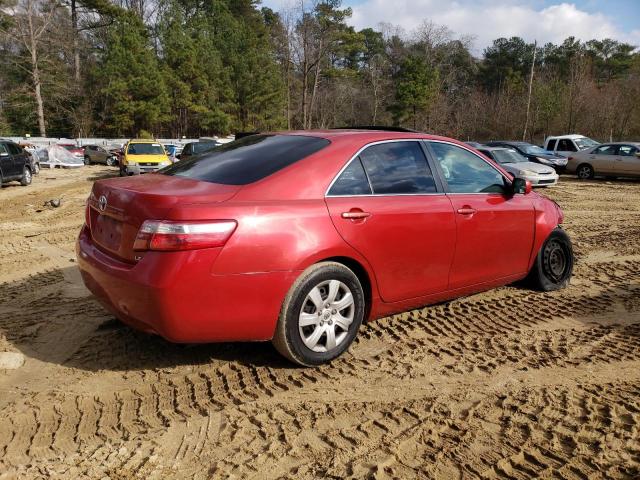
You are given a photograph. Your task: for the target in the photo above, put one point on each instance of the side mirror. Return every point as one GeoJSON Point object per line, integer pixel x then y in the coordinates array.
{"type": "Point", "coordinates": [521, 186]}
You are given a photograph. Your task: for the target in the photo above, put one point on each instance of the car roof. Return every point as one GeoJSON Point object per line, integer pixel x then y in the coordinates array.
{"type": "Point", "coordinates": [142, 140]}
{"type": "Point", "coordinates": [493, 149]}
{"type": "Point", "coordinates": [570, 136]}
{"type": "Point", "coordinates": [363, 135]}
{"type": "Point", "coordinates": [511, 142]}
{"type": "Point", "coordinates": [618, 143]}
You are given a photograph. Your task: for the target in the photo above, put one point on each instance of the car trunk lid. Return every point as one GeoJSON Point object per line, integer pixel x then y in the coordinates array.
{"type": "Point", "coordinates": [118, 207]}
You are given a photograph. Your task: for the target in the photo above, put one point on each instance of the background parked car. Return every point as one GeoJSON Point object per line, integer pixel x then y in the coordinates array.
{"type": "Point", "coordinates": [75, 150]}
{"type": "Point", "coordinates": [15, 163]}
{"type": "Point", "coordinates": [143, 156]}
{"type": "Point", "coordinates": [611, 159]}
{"type": "Point", "coordinates": [533, 153]}
{"type": "Point", "coordinates": [519, 166]}
{"type": "Point", "coordinates": [196, 148]}
{"type": "Point", "coordinates": [34, 157]}
{"type": "Point", "coordinates": [97, 154]}
{"type": "Point", "coordinates": [565, 145]}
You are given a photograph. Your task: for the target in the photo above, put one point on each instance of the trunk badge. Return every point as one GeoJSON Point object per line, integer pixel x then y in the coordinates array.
{"type": "Point", "coordinates": [102, 203]}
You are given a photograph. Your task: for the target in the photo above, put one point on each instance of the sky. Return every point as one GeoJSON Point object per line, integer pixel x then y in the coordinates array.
{"type": "Point", "coordinates": [486, 20]}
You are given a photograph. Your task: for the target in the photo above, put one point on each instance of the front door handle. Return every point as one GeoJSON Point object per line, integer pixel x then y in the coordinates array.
{"type": "Point", "coordinates": [466, 211]}
{"type": "Point", "coordinates": [355, 214]}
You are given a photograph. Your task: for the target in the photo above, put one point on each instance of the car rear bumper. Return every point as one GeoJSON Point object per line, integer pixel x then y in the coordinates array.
{"type": "Point", "coordinates": [175, 295]}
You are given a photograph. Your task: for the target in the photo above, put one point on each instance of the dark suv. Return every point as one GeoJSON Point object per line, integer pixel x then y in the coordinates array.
{"type": "Point", "coordinates": [15, 163]}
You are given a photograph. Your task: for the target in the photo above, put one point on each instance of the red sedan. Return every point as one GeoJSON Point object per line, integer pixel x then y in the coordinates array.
{"type": "Point", "coordinates": [298, 237]}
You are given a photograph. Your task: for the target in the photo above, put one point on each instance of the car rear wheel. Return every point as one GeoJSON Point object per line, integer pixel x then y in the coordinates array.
{"type": "Point", "coordinates": [111, 161]}
{"type": "Point", "coordinates": [26, 177]}
{"type": "Point", "coordinates": [320, 315]}
{"type": "Point", "coordinates": [554, 263]}
{"type": "Point", "coordinates": [585, 171]}
{"type": "Point", "coordinates": [87, 160]}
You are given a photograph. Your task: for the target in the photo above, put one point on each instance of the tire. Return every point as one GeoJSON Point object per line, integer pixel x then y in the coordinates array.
{"type": "Point", "coordinates": [87, 161]}
{"type": "Point", "coordinates": [328, 332]}
{"type": "Point", "coordinates": [585, 171]}
{"type": "Point", "coordinates": [122, 172]}
{"type": "Point", "coordinates": [111, 162]}
{"type": "Point", "coordinates": [36, 169]}
{"type": "Point", "coordinates": [554, 263]}
{"type": "Point", "coordinates": [26, 177]}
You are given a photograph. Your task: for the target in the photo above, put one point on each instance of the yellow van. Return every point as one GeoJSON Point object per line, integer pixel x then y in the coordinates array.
{"type": "Point", "coordinates": [143, 156]}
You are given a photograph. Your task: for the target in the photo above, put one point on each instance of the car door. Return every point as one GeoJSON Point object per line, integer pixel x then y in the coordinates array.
{"type": "Point", "coordinates": [6, 161]}
{"type": "Point", "coordinates": [627, 161]}
{"type": "Point", "coordinates": [495, 229]}
{"type": "Point", "coordinates": [603, 159]}
{"type": "Point", "coordinates": [566, 147]}
{"type": "Point", "coordinates": [387, 205]}
{"type": "Point", "coordinates": [101, 154]}
{"type": "Point", "coordinates": [18, 158]}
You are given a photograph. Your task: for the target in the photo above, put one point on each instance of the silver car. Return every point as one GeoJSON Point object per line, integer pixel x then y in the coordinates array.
{"type": "Point", "coordinates": [611, 159]}
{"type": "Point", "coordinates": [539, 175]}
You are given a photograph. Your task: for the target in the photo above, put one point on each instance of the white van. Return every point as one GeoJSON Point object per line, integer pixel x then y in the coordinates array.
{"type": "Point", "coordinates": [565, 145]}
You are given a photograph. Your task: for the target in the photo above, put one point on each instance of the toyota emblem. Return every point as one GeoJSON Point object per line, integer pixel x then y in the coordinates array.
{"type": "Point", "coordinates": [102, 203]}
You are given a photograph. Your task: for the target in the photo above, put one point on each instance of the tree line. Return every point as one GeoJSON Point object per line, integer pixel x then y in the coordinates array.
{"type": "Point", "coordinates": [173, 68]}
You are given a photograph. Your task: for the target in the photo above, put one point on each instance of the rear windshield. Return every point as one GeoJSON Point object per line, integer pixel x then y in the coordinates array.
{"type": "Point", "coordinates": [203, 146]}
{"type": "Point", "coordinates": [145, 149]}
{"type": "Point", "coordinates": [248, 159]}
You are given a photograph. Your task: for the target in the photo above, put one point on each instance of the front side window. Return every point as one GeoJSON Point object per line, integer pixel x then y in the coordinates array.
{"type": "Point", "coordinates": [398, 168]}
{"type": "Point", "coordinates": [145, 149]}
{"type": "Point", "coordinates": [352, 181]}
{"type": "Point", "coordinates": [3, 149]}
{"type": "Point", "coordinates": [14, 149]}
{"type": "Point", "coordinates": [566, 145]}
{"type": "Point", "coordinates": [247, 159]}
{"type": "Point", "coordinates": [605, 150]}
{"type": "Point", "coordinates": [627, 150]}
{"type": "Point", "coordinates": [466, 172]}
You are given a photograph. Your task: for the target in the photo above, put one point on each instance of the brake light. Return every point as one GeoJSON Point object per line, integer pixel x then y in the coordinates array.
{"type": "Point", "coordinates": [165, 236]}
{"type": "Point", "coordinates": [569, 159]}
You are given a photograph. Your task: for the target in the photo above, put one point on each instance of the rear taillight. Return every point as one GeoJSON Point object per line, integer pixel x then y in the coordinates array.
{"type": "Point", "coordinates": [569, 159]}
{"type": "Point", "coordinates": [165, 236]}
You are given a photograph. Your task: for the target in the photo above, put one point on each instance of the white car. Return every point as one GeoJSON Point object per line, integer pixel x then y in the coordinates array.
{"type": "Point", "coordinates": [565, 145]}
{"type": "Point", "coordinates": [538, 174]}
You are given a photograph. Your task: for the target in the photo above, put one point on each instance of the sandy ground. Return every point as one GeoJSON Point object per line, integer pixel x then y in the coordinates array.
{"type": "Point", "coordinates": [506, 384]}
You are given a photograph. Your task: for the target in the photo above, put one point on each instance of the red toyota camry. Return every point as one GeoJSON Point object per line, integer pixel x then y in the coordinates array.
{"type": "Point", "coordinates": [298, 237]}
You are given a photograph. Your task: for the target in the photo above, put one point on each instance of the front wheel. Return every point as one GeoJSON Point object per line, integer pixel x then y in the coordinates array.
{"type": "Point", "coordinates": [36, 168]}
{"type": "Point", "coordinates": [87, 160]}
{"type": "Point", "coordinates": [320, 315]}
{"type": "Point", "coordinates": [554, 263]}
{"type": "Point", "coordinates": [111, 162]}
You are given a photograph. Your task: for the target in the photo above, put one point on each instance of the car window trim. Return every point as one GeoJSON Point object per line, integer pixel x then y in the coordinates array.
{"type": "Point", "coordinates": [436, 179]}
{"type": "Point", "coordinates": [444, 180]}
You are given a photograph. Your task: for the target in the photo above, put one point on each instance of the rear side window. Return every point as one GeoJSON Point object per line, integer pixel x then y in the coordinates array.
{"type": "Point", "coordinates": [552, 145]}
{"type": "Point", "coordinates": [3, 149]}
{"type": "Point", "coordinates": [352, 181]}
{"type": "Point", "coordinates": [627, 150]}
{"type": "Point", "coordinates": [248, 159]}
{"type": "Point", "coordinates": [398, 168]}
{"type": "Point", "coordinates": [605, 150]}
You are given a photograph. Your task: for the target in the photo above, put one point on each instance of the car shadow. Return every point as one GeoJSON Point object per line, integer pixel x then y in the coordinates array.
{"type": "Point", "coordinates": [52, 317]}
{"type": "Point", "coordinates": [104, 174]}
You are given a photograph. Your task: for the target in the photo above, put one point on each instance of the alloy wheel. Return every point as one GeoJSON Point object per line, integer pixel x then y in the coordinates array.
{"type": "Point", "coordinates": [326, 314]}
{"type": "Point", "coordinates": [584, 172]}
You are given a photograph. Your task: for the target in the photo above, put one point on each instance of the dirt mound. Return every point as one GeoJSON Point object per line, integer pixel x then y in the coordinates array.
{"type": "Point", "coordinates": [506, 384]}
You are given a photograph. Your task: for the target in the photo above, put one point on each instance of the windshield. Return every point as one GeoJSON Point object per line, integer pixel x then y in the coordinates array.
{"type": "Point", "coordinates": [535, 150]}
{"type": "Point", "coordinates": [508, 156]}
{"type": "Point", "coordinates": [584, 143]}
{"type": "Point", "coordinates": [145, 149]}
{"type": "Point", "coordinates": [248, 159]}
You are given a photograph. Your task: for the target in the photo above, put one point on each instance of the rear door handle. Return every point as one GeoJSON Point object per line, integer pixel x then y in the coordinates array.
{"type": "Point", "coordinates": [355, 215]}
{"type": "Point", "coordinates": [466, 211]}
